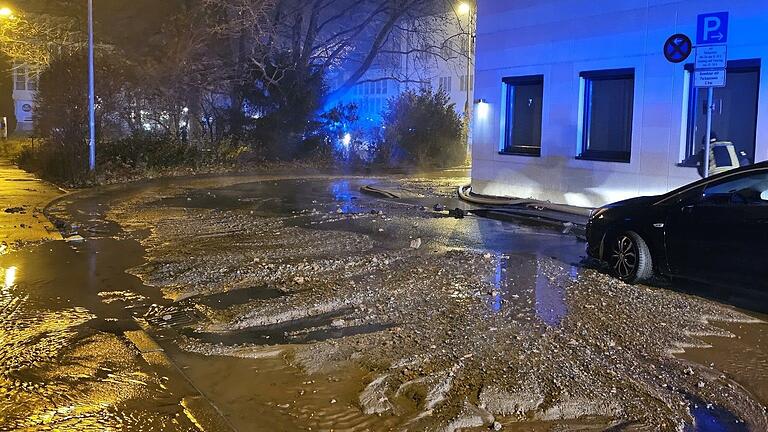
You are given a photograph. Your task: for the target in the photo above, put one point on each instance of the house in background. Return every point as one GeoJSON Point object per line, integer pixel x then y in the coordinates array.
{"type": "Point", "coordinates": [577, 103]}
{"type": "Point", "coordinates": [406, 67]}
{"type": "Point", "coordinates": [24, 90]}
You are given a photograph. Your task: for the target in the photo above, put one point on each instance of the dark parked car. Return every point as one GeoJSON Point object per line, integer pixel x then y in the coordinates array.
{"type": "Point", "coordinates": [714, 231]}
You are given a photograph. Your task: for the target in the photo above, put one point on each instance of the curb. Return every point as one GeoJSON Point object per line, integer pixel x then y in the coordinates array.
{"type": "Point", "coordinates": [200, 410]}
{"type": "Point", "coordinates": [379, 192]}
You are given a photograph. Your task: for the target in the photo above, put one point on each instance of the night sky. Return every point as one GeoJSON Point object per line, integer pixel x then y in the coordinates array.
{"type": "Point", "coordinates": [129, 25]}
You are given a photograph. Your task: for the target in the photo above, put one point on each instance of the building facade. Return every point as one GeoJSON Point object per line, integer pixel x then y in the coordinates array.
{"type": "Point", "coordinates": [576, 103]}
{"type": "Point", "coordinates": [411, 65]}
{"type": "Point", "coordinates": [24, 90]}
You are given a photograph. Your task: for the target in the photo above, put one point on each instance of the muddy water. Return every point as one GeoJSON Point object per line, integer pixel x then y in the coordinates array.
{"type": "Point", "coordinates": [270, 393]}
{"type": "Point", "coordinates": [64, 362]}
{"type": "Point", "coordinates": [744, 357]}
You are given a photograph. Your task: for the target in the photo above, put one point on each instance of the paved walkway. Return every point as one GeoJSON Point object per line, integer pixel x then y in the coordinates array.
{"type": "Point", "coordinates": [22, 198]}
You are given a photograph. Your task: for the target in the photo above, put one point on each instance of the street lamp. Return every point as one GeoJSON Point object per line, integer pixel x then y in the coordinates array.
{"type": "Point", "coordinates": [6, 12]}
{"type": "Point", "coordinates": [91, 94]}
{"type": "Point", "coordinates": [465, 8]}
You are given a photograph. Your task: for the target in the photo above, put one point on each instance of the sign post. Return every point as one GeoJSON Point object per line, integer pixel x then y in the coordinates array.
{"type": "Point", "coordinates": [711, 63]}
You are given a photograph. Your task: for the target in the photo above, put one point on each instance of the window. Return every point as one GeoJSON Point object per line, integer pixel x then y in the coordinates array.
{"type": "Point", "coordinates": [607, 117]}
{"type": "Point", "coordinates": [32, 83]}
{"type": "Point", "coordinates": [734, 118]}
{"type": "Point", "coordinates": [445, 83]}
{"type": "Point", "coordinates": [751, 189]}
{"type": "Point", "coordinates": [21, 78]}
{"type": "Point", "coordinates": [522, 123]}
{"type": "Point", "coordinates": [463, 83]}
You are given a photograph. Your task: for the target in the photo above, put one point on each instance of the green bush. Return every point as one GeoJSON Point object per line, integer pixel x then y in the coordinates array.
{"type": "Point", "coordinates": [422, 128]}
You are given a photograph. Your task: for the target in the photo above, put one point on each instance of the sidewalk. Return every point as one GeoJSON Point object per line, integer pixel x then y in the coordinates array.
{"type": "Point", "coordinates": [22, 197]}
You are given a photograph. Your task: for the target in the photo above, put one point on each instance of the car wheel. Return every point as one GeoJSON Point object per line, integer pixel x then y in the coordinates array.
{"type": "Point", "coordinates": [630, 258]}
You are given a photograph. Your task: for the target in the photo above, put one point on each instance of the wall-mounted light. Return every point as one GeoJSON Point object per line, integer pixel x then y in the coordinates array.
{"type": "Point", "coordinates": [482, 110]}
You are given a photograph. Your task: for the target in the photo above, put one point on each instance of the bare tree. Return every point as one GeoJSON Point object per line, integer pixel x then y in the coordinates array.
{"type": "Point", "coordinates": [353, 35]}
{"type": "Point", "coordinates": [35, 39]}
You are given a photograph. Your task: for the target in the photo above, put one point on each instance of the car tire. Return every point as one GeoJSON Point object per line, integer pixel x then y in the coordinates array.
{"type": "Point", "coordinates": [630, 258]}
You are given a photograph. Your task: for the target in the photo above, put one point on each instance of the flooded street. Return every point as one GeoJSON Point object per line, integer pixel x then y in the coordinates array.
{"type": "Point", "coordinates": [275, 303]}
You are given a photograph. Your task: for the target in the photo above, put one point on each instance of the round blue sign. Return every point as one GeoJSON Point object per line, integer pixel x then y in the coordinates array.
{"type": "Point", "coordinates": [678, 48]}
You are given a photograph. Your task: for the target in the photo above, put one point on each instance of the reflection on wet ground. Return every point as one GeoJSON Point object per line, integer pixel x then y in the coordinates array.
{"type": "Point", "coordinates": [519, 283]}
{"type": "Point", "coordinates": [64, 363]}
{"type": "Point", "coordinates": [268, 393]}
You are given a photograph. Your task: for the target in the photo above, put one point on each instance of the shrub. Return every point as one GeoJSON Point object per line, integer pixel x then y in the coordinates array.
{"type": "Point", "coordinates": [422, 128]}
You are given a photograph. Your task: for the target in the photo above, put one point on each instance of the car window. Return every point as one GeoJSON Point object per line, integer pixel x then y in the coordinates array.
{"type": "Point", "coordinates": [752, 188]}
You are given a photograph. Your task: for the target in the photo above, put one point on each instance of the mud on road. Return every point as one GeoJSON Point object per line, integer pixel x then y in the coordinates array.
{"type": "Point", "coordinates": [388, 316]}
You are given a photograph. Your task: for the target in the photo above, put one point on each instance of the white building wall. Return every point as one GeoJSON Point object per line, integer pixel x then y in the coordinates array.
{"type": "Point", "coordinates": [561, 38]}
{"type": "Point", "coordinates": [24, 91]}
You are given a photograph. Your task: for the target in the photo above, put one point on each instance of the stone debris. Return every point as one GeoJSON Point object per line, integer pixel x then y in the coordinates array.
{"type": "Point", "coordinates": [416, 243]}
{"type": "Point", "coordinates": [428, 318]}
{"type": "Point", "coordinates": [373, 398]}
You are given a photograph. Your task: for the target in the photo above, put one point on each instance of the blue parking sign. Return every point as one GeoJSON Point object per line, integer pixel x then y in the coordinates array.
{"type": "Point", "coordinates": [712, 28]}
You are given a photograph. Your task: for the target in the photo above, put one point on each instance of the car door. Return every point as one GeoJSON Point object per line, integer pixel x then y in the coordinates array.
{"type": "Point", "coordinates": [717, 233]}
{"type": "Point", "coordinates": [754, 262]}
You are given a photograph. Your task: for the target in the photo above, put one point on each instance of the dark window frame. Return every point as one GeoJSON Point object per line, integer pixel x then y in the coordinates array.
{"type": "Point", "coordinates": [604, 155]}
{"type": "Point", "coordinates": [747, 65]}
{"type": "Point", "coordinates": [531, 150]}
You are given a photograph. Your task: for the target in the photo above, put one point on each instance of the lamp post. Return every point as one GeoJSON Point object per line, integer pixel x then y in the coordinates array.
{"type": "Point", "coordinates": [91, 94]}
{"type": "Point", "coordinates": [465, 8]}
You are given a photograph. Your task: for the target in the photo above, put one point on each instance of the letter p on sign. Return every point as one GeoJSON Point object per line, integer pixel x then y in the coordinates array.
{"type": "Point", "coordinates": [712, 29]}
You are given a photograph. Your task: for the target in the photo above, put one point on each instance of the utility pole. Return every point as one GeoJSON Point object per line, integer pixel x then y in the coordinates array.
{"type": "Point", "coordinates": [91, 94]}
{"type": "Point", "coordinates": [470, 10]}
{"type": "Point", "coordinates": [470, 51]}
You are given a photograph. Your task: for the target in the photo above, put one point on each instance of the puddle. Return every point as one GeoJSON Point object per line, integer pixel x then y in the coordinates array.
{"type": "Point", "coordinates": [65, 365]}
{"type": "Point", "coordinates": [210, 199]}
{"type": "Point", "coordinates": [260, 197]}
{"type": "Point", "coordinates": [269, 395]}
{"type": "Point", "coordinates": [311, 329]}
{"type": "Point", "coordinates": [712, 418]}
{"type": "Point", "coordinates": [344, 198]}
{"type": "Point", "coordinates": [744, 357]}
{"type": "Point", "coordinates": [522, 286]}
